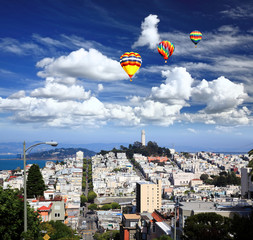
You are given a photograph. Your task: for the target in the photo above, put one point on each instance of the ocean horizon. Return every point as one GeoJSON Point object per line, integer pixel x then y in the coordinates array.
{"type": "Point", "coordinates": [12, 164]}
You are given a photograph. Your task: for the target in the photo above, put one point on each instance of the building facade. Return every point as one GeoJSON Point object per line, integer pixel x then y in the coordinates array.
{"type": "Point", "coordinates": [148, 196]}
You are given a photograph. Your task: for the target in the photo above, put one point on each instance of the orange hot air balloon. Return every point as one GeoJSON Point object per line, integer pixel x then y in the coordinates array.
{"type": "Point", "coordinates": [130, 62]}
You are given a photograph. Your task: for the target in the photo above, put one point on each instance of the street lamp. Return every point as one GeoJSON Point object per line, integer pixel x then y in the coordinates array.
{"type": "Point", "coordinates": [54, 144]}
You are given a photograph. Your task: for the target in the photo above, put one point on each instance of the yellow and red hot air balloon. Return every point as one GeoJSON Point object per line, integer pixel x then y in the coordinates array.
{"type": "Point", "coordinates": [130, 62]}
{"type": "Point", "coordinates": [195, 36]}
{"type": "Point", "coordinates": [165, 48]}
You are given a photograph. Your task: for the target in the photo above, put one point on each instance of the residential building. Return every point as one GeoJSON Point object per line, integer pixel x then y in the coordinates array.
{"type": "Point", "coordinates": [148, 196]}
{"type": "Point", "coordinates": [128, 226]}
{"type": "Point", "coordinates": [246, 183]}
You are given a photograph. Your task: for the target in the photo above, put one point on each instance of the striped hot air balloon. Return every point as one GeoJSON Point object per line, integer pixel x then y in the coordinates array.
{"type": "Point", "coordinates": [130, 62]}
{"type": "Point", "coordinates": [165, 48]}
{"type": "Point", "coordinates": [195, 36]}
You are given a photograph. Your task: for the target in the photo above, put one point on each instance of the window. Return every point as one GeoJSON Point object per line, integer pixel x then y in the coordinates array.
{"type": "Point", "coordinates": [57, 214]}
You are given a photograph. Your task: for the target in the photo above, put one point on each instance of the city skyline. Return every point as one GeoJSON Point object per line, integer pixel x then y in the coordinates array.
{"type": "Point", "coordinates": [61, 78]}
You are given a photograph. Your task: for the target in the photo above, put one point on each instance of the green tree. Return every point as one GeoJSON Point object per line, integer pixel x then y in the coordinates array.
{"type": "Point", "coordinates": [242, 227]}
{"type": "Point", "coordinates": [108, 235]}
{"type": "Point", "coordinates": [93, 206]}
{"type": "Point", "coordinates": [115, 205]}
{"type": "Point", "coordinates": [83, 199]}
{"type": "Point", "coordinates": [35, 182]}
{"type": "Point", "coordinates": [164, 237]}
{"type": "Point", "coordinates": [207, 226]}
{"type": "Point", "coordinates": [91, 196]}
{"type": "Point", "coordinates": [204, 177]}
{"type": "Point", "coordinates": [58, 231]}
{"type": "Point", "coordinates": [106, 207]}
{"type": "Point", "coordinates": [12, 217]}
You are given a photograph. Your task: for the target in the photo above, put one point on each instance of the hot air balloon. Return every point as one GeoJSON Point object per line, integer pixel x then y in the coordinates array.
{"type": "Point", "coordinates": [130, 62]}
{"type": "Point", "coordinates": [195, 36]}
{"type": "Point", "coordinates": [165, 48]}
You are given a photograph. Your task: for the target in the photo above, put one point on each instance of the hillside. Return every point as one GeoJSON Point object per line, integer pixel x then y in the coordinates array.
{"type": "Point", "coordinates": [60, 153]}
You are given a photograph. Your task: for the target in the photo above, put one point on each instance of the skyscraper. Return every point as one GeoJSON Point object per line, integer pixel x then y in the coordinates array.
{"type": "Point", "coordinates": [148, 196]}
{"type": "Point", "coordinates": [143, 138]}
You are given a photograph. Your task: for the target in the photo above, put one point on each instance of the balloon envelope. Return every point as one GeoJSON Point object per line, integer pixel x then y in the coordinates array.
{"type": "Point", "coordinates": [195, 36]}
{"type": "Point", "coordinates": [165, 48]}
{"type": "Point", "coordinates": [130, 62]}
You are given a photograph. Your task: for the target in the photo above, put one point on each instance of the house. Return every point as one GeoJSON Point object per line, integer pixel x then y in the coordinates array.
{"type": "Point", "coordinates": [128, 226]}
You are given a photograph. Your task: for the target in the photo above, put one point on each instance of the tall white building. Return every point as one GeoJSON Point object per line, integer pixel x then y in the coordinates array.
{"type": "Point", "coordinates": [79, 155]}
{"type": "Point", "coordinates": [246, 183]}
{"type": "Point", "coordinates": [143, 138]}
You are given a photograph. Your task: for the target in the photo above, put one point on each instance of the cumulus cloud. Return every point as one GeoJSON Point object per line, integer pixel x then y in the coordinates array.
{"type": "Point", "coordinates": [17, 95]}
{"type": "Point", "coordinates": [149, 34]}
{"type": "Point", "coordinates": [61, 92]}
{"type": "Point", "coordinates": [220, 95]}
{"type": "Point", "coordinates": [63, 102]}
{"type": "Point", "coordinates": [177, 87]}
{"type": "Point", "coordinates": [90, 64]}
{"type": "Point", "coordinates": [229, 118]}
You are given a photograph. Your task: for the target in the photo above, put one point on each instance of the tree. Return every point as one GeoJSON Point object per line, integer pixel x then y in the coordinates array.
{"type": "Point", "coordinates": [108, 235]}
{"type": "Point", "coordinates": [242, 227]}
{"type": "Point", "coordinates": [91, 196]}
{"type": "Point", "coordinates": [115, 205]}
{"type": "Point", "coordinates": [58, 231]}
{"type": "Point", "coordinates": [12, 217]}
{"type": "Point", "coordinates": [106, 207]}
{"type": "Point", "coordinates": [83, 199]}
{"type": "Point", "coordinates": [35, 182]}
{"type": "Point", "coordinates": [93, 206]}
{"type": "Point", "coordinates": [163, 237]}
{"type": "Point", "coordinates": [204, 177]}
{"type": "Point", "coordinates": [208, 226]}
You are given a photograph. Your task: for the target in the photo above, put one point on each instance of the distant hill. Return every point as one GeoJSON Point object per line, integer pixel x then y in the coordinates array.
{"type": "Point", "coordinates": [17, 147]}
{"type": "Point", "coordinates": [60, 153]}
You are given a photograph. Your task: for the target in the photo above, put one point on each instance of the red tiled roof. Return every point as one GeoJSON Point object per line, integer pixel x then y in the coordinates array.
{"type": "Point", "coordinates": [157, 217]}
{"type": "Point", "coordinates": [44, 208]}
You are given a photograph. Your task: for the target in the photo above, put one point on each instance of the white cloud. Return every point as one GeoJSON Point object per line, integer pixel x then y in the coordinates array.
{"type": "Point", "coordinates": [177, 87]}
{"type": "Point", "coordinates": [229, 29]}
{"type": "Point", "coordinates": [157, 113]}
{"type": "Point", "coordinates": [61, 92]}
{"type": "Point", "coordinates": [233, 117]}
{"type": "Point", "coordinates": [20, 48]}
{"type": "Point", "coordinates": [100, 87]}
{"type": "Point", "coordinates": [83, 64]}
{"type": "Point", "coordinates": [191, 130]}
{"type": "Point", "coordinates": [243, 11]}
{"type": "Point", "coordinates": [149, 35]}
{"type": "Point", "coordinates": [17, 95]}
{"type": "Point", "coordinates": [63, 102]}
{"type": "Point", "coordinates": [220, 95]}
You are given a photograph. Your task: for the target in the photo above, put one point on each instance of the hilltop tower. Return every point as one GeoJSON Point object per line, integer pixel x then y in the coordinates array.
{"type": "Point", "coordinates": [143, 137]}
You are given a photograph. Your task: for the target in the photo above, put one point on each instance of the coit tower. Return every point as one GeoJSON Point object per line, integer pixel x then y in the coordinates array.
{"type": "Point", "coordinates": [143, 137]}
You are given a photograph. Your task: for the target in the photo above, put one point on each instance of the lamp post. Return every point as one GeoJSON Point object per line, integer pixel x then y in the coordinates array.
{"type": "Point", "coordinates": [54, 144]}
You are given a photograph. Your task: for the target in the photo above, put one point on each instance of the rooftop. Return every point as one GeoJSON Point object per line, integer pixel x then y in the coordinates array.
{"type": "Point", "coordinates": [131, 216]}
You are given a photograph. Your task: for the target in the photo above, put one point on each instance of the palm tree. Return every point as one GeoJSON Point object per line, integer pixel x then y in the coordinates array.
{"type": "Point", "coordinates": [250, 165]}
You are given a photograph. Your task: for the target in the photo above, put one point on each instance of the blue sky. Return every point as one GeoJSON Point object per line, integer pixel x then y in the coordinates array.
{"type": "Point", "coordinates": [61, 78]}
